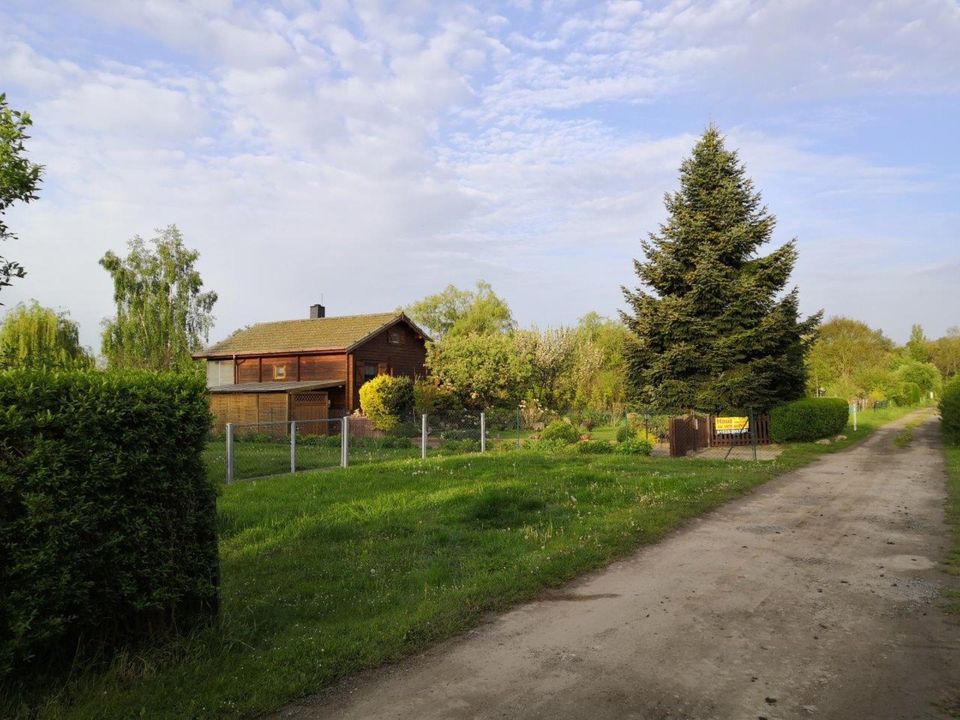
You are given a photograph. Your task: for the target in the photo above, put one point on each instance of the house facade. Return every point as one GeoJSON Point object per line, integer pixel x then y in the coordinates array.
{"type": "Point", "coordinates": [309, 369]}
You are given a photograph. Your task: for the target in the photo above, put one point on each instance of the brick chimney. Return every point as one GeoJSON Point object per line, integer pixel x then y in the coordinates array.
{"type": "Point", "coordinates": [317, 311]}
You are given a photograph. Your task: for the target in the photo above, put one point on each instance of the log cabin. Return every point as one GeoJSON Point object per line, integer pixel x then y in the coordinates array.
{"type": "Point", "coordinates": [310, 369]}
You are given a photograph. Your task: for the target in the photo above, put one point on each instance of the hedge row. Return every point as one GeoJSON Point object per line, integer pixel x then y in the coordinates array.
{"type": "Point", "coordinates": [950, 411]}
{"type": "Point", "coordinates": [808, 419]}
{"type": "Point", "coordinates": [107, 523]}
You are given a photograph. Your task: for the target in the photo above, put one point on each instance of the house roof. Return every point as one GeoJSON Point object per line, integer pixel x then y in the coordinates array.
{"type": "Point", "coordinates": [314, 334]}
{"type": "Point", "coordinates": [285, 387]}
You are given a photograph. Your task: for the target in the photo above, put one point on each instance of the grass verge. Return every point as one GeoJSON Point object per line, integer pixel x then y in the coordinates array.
{"type": "Point", "coordinates": [952, 561]}
{"type": "Point", "coordinates": [328, 573]}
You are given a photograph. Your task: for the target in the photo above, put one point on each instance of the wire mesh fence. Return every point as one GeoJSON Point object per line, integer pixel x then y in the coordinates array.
{"type": "Point", "coordinates": [248, 451]}
{"type": "Point", "coordinates": [455, 435]}
{"type": "Point", "coordinates": [369, 445]}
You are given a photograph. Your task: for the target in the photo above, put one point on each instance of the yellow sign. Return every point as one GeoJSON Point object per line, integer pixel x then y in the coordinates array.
{"type": "Point", "coordinates": [731, 425]}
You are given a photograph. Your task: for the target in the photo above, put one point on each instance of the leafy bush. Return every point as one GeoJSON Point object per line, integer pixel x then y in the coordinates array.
{"type": "Point", "coordinates": [107, 521]}
{"type": "Point", "coordinates": [555, 445]}
{"type": "Point", "coordinates": [456, 447]}
{"type": "Point", "coordinates": [387, 400]}
{"type": "Point", "coordinates": [435, 400]}
{"type": "Point", "coordinates": [324, 441]}
{"type": "Point", "coordinates": [633, 446]}
{"type": "Point", "coordinates": [950, 411]}
{"type": "Point", "coordinates": [624, 432]}
{"type": "Point", "coordinates": [808, 419]}
{"type": "Point", "coordinates": [646, 437]}
{"type": "Point", "coordinates": [594, 447]}
{"type": "Point", "coordinates": [561, 431]}
{"type": "Point", "coordinates": [395, 442]}
{"type": "Point", "coordinates": [461, 434]}
{"type": "Point", "coordinates": [404, 430]}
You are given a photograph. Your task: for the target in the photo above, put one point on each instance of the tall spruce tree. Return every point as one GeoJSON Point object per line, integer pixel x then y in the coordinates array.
{"type": "Point", "coordinates": [713, 327]}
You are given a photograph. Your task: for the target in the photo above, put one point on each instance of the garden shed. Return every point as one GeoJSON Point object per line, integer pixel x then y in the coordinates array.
{"type": "Point", "coordinates": [262, 406]}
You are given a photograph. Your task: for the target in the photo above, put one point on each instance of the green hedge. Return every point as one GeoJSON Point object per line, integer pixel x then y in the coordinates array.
{"type": "Point", "coordinates": [107, 523]}
{"type": "Point", "coordinates": [808, 419]}
{"type": "Point", "coordinates": [560, 431]}
{"type": "Point", "coordinates": [950, 411]}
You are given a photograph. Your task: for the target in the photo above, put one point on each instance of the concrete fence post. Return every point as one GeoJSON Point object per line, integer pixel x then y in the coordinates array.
{"type": "Point", "coordinates": [293, 446]}
{"type": "Point", "coordinates": [423, 437]}
{"type": "Point", "coordinates": [483, 432]}
{"type": "Point", "coordinates": [229, 453]}
{"type": "Point", "coordinates": [345, 441]}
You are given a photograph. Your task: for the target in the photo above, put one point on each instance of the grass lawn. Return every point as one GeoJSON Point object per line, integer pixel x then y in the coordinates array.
{"type": "Point", "coordinates": [953, 518]}
{"type": "Point", "coordinates": [327, 573]}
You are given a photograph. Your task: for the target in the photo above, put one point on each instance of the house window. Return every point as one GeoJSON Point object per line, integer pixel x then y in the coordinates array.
{"type": "Point", "coordinates": [279, 372]}
{"type": "Point", "coordinates": [394, 337]}
{"type": "Point", "coordinates": [369, 371]}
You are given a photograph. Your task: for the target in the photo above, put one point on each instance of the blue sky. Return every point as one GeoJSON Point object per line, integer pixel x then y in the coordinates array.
{"type": "Point", "coordinates": [373, 152]}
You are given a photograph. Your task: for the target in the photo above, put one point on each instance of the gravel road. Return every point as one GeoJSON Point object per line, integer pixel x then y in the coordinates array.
{"type": "Point", "coordinates": [814, 597]}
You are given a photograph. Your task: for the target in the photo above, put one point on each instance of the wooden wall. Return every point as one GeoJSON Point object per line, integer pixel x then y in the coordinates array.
{"type": "Point", "coordinates": [404, 358]}
{"type": "Point", "coordinates": [292, 368]}
{"type": "Point", "coordinates": [249, 410]}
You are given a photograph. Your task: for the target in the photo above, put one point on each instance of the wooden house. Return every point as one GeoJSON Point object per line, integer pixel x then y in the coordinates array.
{"type": "Point", "coordinates": [309, 369]}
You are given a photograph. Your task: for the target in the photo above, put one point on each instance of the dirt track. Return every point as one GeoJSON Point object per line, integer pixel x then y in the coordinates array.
{"type": "Point", "coordinates": [816, 596]}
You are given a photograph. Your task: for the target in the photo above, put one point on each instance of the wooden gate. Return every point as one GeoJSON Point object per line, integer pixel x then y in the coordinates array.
{"type": "Point", "coordinates": [739, 439]}
{"type": "Point", "coordinates": [311, 411]}
{"type": "Point", "coordinates": [689, 433]}
{"type": "Point", "coordinates": [696, 432]}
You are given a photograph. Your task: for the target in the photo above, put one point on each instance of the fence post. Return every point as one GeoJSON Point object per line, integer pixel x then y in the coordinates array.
{"type": "Point", "coordinates": [229, 453]}
{"type": "Point", "coordinates": [423, 437]}
{"type": "Point", "coordinates": [293, 446]}
{"type": "Point", "coordinates": [344, 441]}
{"type": "Point", "coordinates": [753, 433]}
{"type": "Point", "coordinates": [855, 417]}
{"type": "Point", "coordinates": [483, 432]}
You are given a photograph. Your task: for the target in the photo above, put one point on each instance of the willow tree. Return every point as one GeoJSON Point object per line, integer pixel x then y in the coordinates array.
{"type": "Point", "coordinates": [713, 326]}
{"type": "Point", "coordinates": [33, 336]}
{"type": "Point", "coordinates": [162, 313]}
{"type": "Point", "coordinates": [19, 178]}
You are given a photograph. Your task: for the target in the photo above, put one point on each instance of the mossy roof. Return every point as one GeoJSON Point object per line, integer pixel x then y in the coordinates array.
{"type": "Point", "coordinates": [331, 333]}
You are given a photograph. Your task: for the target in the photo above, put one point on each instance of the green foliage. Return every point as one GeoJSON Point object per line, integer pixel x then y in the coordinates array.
{"type": "Point", "coordinates": [387, 401]}
{"type": "Point", "coordinates": [923, 375]}
{"type": "Point", "coordinates": [633, 446]}
{"type": "Point", "coordinates": [397, 397]}
{"type": "Point", "coordinates": [107, 523]}
{"type": "Point", "coordinates": [808, 419]}
{"type": "Point", "coordinates": [594, 447]}
{"type": "Point", "coordinates": [462, 312]}
{"type": "Point", "coordinates": [484, 371]}
{"type": "Point", "coordinates": [458, 447]}
{"type": "Point", "coordinates": [162, 314]}
{"type": "Point", "coordinates": [712, 327]}
{"type": "Point", "coordinates": [950, 411]}
{"type": "Point", "coordinates": [561, 431]}
{"type": "Point", "coordinates": [624, 431]}
{"type": "Point", "coordinates": [599, 368]}
{"type": "Point", "coordinates": [19, 178]}
{"type": "Point", "coordinates": [917, 348]}
{"type": "Point", "coordinates": [40, 338]}
{"type": "Point", "coordinates": [429, 398]}
{"type": "Point", "coordinates": [552, 355]}
{"type": "Point", "coordinates": [945, 353]}
{"type": "Point", "coordinates": [849, 359]}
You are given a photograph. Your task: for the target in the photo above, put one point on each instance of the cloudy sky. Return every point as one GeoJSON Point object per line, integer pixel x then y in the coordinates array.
{"type": "Point", "coordinates": [373, 152]}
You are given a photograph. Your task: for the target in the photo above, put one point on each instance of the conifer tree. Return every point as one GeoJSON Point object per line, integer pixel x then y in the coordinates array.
{"type": "Point", "coordinates": [712, 326]}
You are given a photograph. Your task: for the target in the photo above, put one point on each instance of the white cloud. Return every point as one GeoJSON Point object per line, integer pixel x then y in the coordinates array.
{"type": "Point", "coordinates": [376, 156]}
